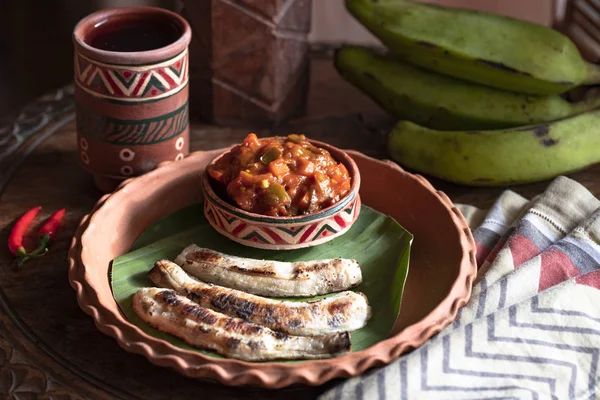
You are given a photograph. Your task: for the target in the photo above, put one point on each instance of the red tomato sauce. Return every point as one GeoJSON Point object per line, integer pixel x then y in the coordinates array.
{"type": "Point", "coordinates": [280, 176]}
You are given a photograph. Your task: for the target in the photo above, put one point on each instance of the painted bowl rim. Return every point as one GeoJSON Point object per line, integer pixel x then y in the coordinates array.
{"type": "Point", "coordinates": [337, 154]}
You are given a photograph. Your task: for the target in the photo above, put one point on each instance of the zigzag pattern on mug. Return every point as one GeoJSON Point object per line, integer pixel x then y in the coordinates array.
{"type": "Point", "coordinates": [132, 83]}
{"type": "Point", "coordinates": [243, 231]}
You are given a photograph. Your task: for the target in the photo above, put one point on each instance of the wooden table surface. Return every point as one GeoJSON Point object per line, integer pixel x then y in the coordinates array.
{"type": "Point", "coordinates": [48, 347]}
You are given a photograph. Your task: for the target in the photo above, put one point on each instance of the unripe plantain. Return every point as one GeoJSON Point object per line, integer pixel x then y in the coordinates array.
{"type": "Point", "coordinates": [499, 157]}
{"type": "Point", "coordinates": [408, 92]}
{"type": "Point", "coordinates": [489, 49]}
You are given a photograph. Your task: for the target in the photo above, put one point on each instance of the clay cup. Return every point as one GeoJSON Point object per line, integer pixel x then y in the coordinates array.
{"type": "Point", "coordinates": [132, 96]}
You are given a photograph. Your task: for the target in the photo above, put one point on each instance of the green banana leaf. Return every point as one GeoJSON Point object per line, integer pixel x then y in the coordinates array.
{"type": "Point", "coordinates": [377, 242]}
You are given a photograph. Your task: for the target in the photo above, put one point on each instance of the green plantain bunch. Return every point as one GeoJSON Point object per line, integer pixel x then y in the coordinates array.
{"type": "Point", "coordinates": [477, 94]}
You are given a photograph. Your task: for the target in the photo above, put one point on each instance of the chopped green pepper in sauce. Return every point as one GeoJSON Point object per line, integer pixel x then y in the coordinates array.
{"type": "Point", "coordinates": [281, 176]}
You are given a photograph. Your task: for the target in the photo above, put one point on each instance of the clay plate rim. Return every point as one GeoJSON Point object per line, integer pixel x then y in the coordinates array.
{"type": "Point", "coordinates": [271, 375]}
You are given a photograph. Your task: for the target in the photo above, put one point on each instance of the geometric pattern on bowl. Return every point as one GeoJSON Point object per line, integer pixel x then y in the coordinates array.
{"type": "Point", "coordinates": [283, 236]}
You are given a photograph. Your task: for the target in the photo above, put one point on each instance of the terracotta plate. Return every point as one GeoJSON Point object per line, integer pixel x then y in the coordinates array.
{"type": "Point", "coordinates": [440, 278]}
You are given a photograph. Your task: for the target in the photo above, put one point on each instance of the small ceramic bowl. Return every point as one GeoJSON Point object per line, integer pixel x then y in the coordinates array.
{"type": "Point", "coordinates": [285, 233]}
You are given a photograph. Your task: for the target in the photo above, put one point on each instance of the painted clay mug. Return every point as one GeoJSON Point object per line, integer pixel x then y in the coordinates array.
{"type": "Point", "coordinates": [131, 91]}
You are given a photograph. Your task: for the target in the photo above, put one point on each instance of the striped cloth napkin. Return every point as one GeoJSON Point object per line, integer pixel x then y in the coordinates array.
{"type": "Point", "coordinates": [532, 327]}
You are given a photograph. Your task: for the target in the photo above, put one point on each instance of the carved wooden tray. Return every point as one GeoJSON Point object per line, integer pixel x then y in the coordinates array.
{"type": "Point", "coordinates": [49, 348]}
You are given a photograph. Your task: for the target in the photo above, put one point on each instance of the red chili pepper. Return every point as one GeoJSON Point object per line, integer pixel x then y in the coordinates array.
{"type": "Point", "coordinates": [46, 234]}
{"type": "Point", "coordinates": [15, 240]}
{"type": "Point", "coordinates": [48, 231]}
